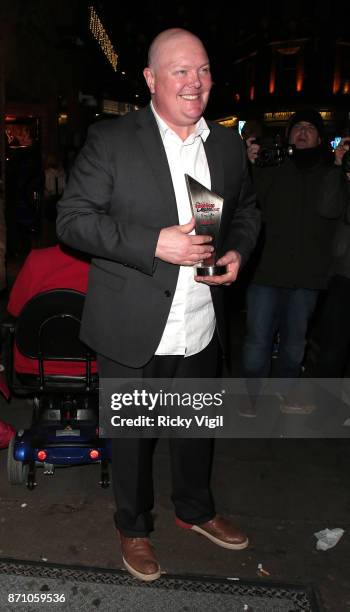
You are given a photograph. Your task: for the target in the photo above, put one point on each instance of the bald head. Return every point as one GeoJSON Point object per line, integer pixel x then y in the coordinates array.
{"type": "Point", "coordinates": [178, 78]}
{"type": "Point", "coordinates": [166, 39]}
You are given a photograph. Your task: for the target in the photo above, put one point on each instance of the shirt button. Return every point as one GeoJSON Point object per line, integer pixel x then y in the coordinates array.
{"type": "Point", "coordinates": [167, 293]}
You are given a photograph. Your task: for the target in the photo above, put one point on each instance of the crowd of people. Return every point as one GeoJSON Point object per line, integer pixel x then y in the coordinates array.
{"type": "Point", "coordinates": [147, 315]}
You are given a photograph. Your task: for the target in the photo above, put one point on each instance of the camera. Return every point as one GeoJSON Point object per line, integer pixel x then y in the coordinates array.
{"type": "Point", "coordinates": [272, 152]}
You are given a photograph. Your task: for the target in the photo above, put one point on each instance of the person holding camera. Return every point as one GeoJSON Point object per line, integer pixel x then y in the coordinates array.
{"type": "Point", "coordinates": [294, 259]}
{"type": "Point", "coordinates": [334, 336]}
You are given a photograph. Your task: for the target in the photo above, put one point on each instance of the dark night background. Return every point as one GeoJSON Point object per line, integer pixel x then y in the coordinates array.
{"type": "Point", "coordinates": [268, 60]}
{"type": "Point", "coordinates": [229, 31]}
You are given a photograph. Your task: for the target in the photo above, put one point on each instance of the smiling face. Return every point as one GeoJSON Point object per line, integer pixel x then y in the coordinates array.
{"type": "Point", "coordinates": [179, 80]}
{"type": "Point", "coordinates": [304, 135]}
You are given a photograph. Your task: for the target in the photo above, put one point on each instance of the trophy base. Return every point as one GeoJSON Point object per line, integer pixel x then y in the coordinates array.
{"type": "Point", "coordinates": [211, 271]}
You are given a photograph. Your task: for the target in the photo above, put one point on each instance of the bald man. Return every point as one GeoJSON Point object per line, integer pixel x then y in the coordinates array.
{"type": "Point", "coordinates": [147, 315]}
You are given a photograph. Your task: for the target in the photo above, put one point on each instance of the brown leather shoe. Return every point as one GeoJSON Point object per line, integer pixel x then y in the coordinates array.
{"type": "Point", "coordinates": [139, 558]}
{"type": "Point", "coordinates": [220, 531]}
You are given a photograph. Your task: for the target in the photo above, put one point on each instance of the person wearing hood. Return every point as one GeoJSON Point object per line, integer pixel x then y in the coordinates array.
{"type": "Point", "coordinates": [294, 261]}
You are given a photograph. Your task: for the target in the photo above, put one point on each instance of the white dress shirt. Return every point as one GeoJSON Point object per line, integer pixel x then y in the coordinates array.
{"type": "Point", "coordinates": [191, 321]}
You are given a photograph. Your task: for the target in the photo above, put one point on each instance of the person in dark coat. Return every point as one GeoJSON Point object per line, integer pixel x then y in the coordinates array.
{"type": "Point", "coordinates": [295, 257]}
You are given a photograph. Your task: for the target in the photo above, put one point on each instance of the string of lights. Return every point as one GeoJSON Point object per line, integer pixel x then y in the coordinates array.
{"type": "Point", "coordinates": [101, 36]}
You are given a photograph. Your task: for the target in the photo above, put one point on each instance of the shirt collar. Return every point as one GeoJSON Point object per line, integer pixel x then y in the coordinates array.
{"type": "Point", "coordinates": [201, 129]}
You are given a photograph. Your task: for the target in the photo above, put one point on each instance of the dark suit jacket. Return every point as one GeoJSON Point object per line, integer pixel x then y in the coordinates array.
{"type": "Point", "coordinates": [119, 196]}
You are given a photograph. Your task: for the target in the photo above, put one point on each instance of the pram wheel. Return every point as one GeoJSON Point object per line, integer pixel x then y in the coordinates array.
{"type": "Point", "coordinates": [104, 482]}
{"type": "Point", "coordinates": [17, 471]}
{"type": "Point", "coordinates": [31, 484]}
{"type": "Point", "coordinates": [49, 468]}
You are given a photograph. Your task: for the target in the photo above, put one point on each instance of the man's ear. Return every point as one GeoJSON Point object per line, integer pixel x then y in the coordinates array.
{"type": "Point", "coordinates": [149, 77]}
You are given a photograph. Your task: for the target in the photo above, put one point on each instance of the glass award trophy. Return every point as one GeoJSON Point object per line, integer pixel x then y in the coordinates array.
{"type": "Point", "coordinates": [206, 208]}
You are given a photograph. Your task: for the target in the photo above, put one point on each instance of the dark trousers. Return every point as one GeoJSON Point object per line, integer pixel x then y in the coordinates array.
{"type": "Point", "coordinates": [191, 459]}
{"type": "Point", "coordinates": [335, 330]}
{"type": "Point", "coordinates": [270, 309]}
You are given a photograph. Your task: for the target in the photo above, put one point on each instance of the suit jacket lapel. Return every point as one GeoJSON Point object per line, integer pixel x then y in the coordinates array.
{"type": "Point", "coordinates": [154, 151]}
{"type": "Point", "coordinates": [213, 152]}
